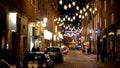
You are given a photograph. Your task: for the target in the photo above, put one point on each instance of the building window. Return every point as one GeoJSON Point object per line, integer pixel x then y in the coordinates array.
{"type": "Point", "coordinates": [105, 25]}
{"type": "Point", "coordinates": [105, 6]}
{"type": "Point", "coordinates": [112, 18]}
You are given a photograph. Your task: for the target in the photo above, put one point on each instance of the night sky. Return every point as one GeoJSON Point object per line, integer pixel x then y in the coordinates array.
{"type": "Point", "coordinates": [80, 3]}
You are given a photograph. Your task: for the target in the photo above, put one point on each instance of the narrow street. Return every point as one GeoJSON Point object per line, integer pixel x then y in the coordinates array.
{"type": "Point", "coordinates": [75, 59]}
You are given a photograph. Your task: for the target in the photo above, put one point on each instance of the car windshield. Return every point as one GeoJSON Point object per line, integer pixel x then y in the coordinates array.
{"type": "Point", "coordinates": [53, 50]}
{"type": "Point", "coordinates": [34, 57]}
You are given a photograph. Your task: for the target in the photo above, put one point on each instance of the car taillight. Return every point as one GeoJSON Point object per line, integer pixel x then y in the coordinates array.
{"type": "Point", "coordinates": [44, 64]}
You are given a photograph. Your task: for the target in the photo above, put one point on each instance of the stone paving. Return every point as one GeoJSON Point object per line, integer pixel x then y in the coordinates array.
{"type": "Point", "coordinates": [75, 59]}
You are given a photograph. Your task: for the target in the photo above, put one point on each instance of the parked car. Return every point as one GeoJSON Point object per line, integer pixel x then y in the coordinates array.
{"type": "Point", "coordinates": [55, 53]}
{"type": "Point", "coordinates": [37, 60]}
{"type": "Point", "coordinates": [4, 64]}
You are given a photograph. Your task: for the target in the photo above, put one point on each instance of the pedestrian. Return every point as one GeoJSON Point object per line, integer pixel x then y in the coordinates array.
{"type": "Point", "coordinates": [34, 49]}
{"type": "Point", "coordinates": [17, 61]}
{"type": "Point", "coordinates": [5, 54]}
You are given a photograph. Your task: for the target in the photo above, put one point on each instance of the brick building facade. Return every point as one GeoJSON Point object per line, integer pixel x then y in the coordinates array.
{"type": "Point", "coordinates": [28, 11]}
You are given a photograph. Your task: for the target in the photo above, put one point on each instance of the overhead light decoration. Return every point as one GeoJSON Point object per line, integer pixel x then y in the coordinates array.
{"type": "Point", "coordinates": [69, 5]}
{"type": "Point", "coordinates": [65, 7]}
{"type": "Point", "coordinates": [73, 3]}
{"type": "Point", "coordinates": [81, 11]}
{"type": "Point", "coordinates": [87, 6]}
{"type": "Point", "coordinates": [86, 14]}
{"type": "Point", "coordinates": [95, 9]}
{"type": "Point", "coordinates": [58, 22]}
{"type": "Point", "coordinates": [84, 9]}
{"type": "Point", "coordinates": [73, 17]}
{"type": "Point", "coordinates": [59, 19]}
{"type": "Point", "coordinates": [90, 9]}
{"type": "Point", "coordinates": [76, 14]}
{"type": "Point", "coordinates": [93, 12]}
{"type": "Point", "coordinates": [68, 18]}
{"type": "Point", "coordinates": [63, 19]}
{"type": "Point", "coordinates": [60, 2]}
{"type": "Point", "coordinates": [80, 16]}
{"type": "Point", "coordinates": [83, 17]}
{"type": "Point", "coordinates": [71, 20]}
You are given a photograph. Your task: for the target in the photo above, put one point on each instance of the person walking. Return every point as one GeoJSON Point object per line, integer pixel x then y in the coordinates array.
{"type": "Point", "coordinates": [34, 49]}
{"type": "Point", "coordinates": [5, 54]}
{"type": "Point", "coordinates": [17, 61]}
{"type": "Point", "coordinates": [102, 55]}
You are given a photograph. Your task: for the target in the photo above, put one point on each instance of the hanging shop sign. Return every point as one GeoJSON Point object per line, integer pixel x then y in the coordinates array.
{"type": "Point", "coordinates": [111, 33]}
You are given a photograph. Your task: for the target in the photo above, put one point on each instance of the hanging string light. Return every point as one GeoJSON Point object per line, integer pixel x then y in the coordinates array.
{"type": "Point", "coordinates": [60, 2]}
{"type": "Point", "coordinates": [73, 16]}
{"type": "Point", "coordinates": [84, 9]}
{"type": "Point", "coordinates": [80, 11]}
{"type": "Point", "coordinates": [65, 7]}
{"type": "Point", "coordinates": [90, 9]}
{"type": "Point", "coordinates": [76, 14]}
{"type": "Point", "coordinates": [80, 16]}
{"type": "Point", "coordinates": [86, 14]}
{"type": "Point", "coordinates": [87, 6]}
{"type": "Point", "coordinates": [73, 3]}
{"type": "Point", "coordinates": [95, 9]}
{"type": "Point", "coordinates": [77, 8]}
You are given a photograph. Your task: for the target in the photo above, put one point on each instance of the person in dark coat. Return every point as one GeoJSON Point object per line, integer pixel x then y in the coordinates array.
{"type": "Point", "coordinates": [5, 54]}
{"type": "Point", "coordinates": [102, 55]}
{"type": "Point", "coordinates": [34, 49]}
{"type": "Point", "coordinates": [38, 49]}
{"type": "Point", "coordinates": [17, 61]}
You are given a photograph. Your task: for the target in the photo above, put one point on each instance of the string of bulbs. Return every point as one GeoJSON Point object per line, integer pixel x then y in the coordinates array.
{"type": "Point", "coordinates": [81, 14]}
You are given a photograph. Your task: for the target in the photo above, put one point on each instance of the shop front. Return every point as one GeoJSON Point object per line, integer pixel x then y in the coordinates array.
{"type": "Point", "coordinates": [110, 47]}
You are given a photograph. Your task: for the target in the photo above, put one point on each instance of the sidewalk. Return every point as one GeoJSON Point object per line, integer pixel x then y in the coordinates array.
{"type": "Point", "coordinates": [114, 64]}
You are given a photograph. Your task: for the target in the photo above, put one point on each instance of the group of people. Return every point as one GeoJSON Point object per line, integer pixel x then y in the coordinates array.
{"type": "Point", "coordinates": [35, 49]}
{"type": "Point", "coordinates": [108, 54]}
